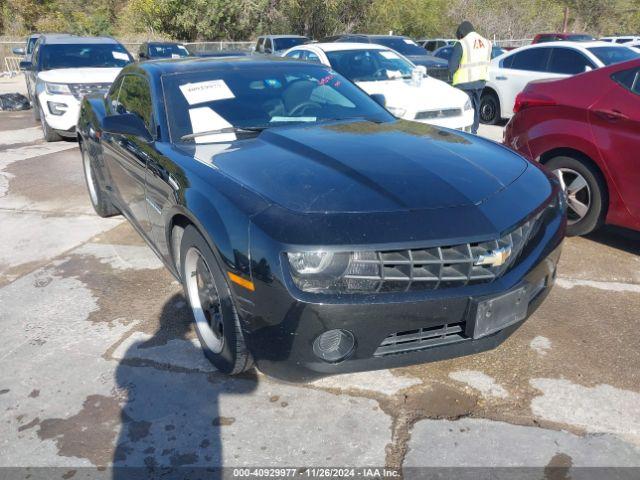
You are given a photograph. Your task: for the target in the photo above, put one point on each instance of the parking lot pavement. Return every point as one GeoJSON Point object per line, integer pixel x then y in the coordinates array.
{"type": "Point", "coordinates": [100, 365]}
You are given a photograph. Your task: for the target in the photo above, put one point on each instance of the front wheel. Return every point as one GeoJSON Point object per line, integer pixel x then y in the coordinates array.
{"type": "Point", "coordinates": [586, 193]}
{"type": "Point", "coordinates": [214, 312]}
{"type": "Point", "coordinates": [489, 108]}
{"type": "Point", "coordinates": [50, 135]}
{"type": "Point", "coordinates": [101, 204]}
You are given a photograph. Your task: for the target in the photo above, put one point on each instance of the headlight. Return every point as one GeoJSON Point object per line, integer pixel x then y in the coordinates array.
{"type": "Point", "coordinates": [57, 88]}
{"type": "Point", "coordinates": [397, 112]}
{"type": "Point", "coordinates": [467, 105]}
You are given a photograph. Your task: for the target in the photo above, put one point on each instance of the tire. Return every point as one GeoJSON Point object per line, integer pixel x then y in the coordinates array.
{"type": "Point", "coordinates": [99, 200]}
{"type": "Point", "coordinates": [490, 109]}
{"type": "Point", "coordinates": [50, 135]}
{"type": "Point", "coordinates": [217, 324]}
{"type": "Point", "coordinates": [589, 191]}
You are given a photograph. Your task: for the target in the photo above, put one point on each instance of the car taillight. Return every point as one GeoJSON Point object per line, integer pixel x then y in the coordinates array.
{"type": "Point", "coordinates": [529, 99]}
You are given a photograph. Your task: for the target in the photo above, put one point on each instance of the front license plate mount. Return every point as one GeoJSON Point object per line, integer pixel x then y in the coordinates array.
{"type": "Point", "coordinates": [493, 314]}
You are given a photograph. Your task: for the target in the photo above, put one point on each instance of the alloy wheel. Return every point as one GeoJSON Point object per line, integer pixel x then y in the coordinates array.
{"type": "Point", "coordinates": [204, 300]}
{"type": "Point", "coordinates": [487, 110]}
{"type": "Point", "coordinates": [88, 171]}
{"type": "Point", "coordinates": [578, 194]}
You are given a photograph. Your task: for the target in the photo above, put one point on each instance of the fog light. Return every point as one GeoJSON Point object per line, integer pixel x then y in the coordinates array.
{"type": "Point", "coordinates": [334, 345]}
{"type": "Point", "coordinates": [57, 108]}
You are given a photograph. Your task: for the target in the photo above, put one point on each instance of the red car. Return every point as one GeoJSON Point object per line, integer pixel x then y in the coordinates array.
{"type": "Point", "coordinates": [570, 37]}
{"type": "Point", "coordinates": [586, 129]}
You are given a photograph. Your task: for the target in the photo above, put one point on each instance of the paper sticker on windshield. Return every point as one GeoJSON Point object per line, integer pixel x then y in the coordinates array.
{"type": "Point", "coordinates": [175, 55]}
{"type": "Point", "coordinates": [208, 91]}
{"type": "Point", "coordinates": [120, 56]}
{"type": "Point", "coordinates": [203, 119]}
{"type": "Point", "coordinates": [389, 55]}
{"type": "Point", "coordinates": [409, 42]}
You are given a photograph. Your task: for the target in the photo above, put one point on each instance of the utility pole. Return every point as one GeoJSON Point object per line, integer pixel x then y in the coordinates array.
{"type": "Point", "coordinates": [565, 21]}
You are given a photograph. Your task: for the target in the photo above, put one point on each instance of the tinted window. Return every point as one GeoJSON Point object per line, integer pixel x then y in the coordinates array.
{"type": "Point", "coordinates": [369, 65]}
{"type": "Point", "coordinates": [401, 45]}
{"type": "Point", "coordinates": [547, 38]}
{"type": "Point", "coordinates": [83, 55]}
{"type": "Point", "coordinates": [296, 54]}
{"type": "Point", "coordinates": [114, 90]}
{"type": "Point", "coordinates": [431, 46]}
{"type": "Point", "coordinates": [287, 43]}
{"type": "Point", "coordinates": [610, 55]}
{"type": "Point", "coordinates": [533, 59]}
{"type": "Point", "coordinates": [312, 57]}
{"type": "Point", "coordinates": [629, 79]}
{"type": "Point", "coordinates": [267, 46]}
{"type": "Point", "coordinates": [623, 40]}
{"type": "Point", "coordinates": [31, 43]}
{"type": "Point", "coordinates": [135, 97]}
{"type": "Point", "coordinates": [260, 44]}
{"type": "Point", "coordinates": [568, 61]}
{"type": "Point", "coordinates": [262, 96]}
{"type": "Point", "coordinates": [167, 50]}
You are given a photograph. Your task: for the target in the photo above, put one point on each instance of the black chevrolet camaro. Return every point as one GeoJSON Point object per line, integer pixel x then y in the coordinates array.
{"type": "Point", "coordinates": [314, 233]}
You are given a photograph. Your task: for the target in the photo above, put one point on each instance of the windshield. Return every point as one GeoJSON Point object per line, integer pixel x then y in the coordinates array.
{"type": "Point", "coordinates": [287, 43]}
{"type": "Point", "coordinates": [610, 55]}
{"type": "Point", "coordinates": [580, 38]}
{"type": "Point", "coordinates": [250, 96]}
{"type": "Point", "coordinates": [405, 46]}
{"type": "Point", "coordinates": [369, 65]}
{"type": "Point", "coordinates": [167, 50]}
{"type": "Point", "coordinates": [83, 55]}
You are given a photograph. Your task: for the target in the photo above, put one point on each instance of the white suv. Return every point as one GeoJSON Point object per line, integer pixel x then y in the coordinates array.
{"type": "Point", "coordinates": [63, 69]}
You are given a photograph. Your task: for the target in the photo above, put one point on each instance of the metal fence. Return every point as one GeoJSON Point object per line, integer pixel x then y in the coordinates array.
{"type": "Point", "coordinates": [512, 42]}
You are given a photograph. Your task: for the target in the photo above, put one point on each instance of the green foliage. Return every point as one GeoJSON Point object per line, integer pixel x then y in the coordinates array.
{"type": "Point", "coordinates": [245, 19]}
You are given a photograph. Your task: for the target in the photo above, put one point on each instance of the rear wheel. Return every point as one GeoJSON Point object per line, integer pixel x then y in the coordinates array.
{"type": "Point", "coordinates": [214, 312]}
{"type": "Point", "coordinates": [489, 108]}
{"type": "Point", "coordinates": [101, 204]}
{"type": "Point", "coordinates": [586, 193]}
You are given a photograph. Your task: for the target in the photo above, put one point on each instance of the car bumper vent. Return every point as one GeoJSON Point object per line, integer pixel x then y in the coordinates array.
{"type": "Point", "coordinates": [410, 340]}
{"type": "Point", "coordinates": [438, 267]}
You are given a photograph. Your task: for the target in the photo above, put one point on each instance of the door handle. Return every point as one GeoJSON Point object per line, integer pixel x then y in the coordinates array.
{"type": "Point", "coordinates": [612, 115]}
{"type": "Point", "coordinates": [502, 78]}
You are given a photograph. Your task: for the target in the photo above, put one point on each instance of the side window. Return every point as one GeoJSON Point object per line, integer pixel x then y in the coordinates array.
{"type": "Point", "coordinates": [431, 46]}
{"type": "Point", "coordinates": [267, 46]}
{"type": "Point", "coordinates": [568, 61]}
{"type": "Point", "coordinates": [260, 45]}
{"type": "Point", "coordinates": [629, 79]}
{"type": "Point", "coordinates": [533, 59]}
{"type": "Point", "coordinates": [135, 97]}
{"type": "Point", "coordinates": [312, 57]}
{"type": "Point", "coordinates": [296, 54]}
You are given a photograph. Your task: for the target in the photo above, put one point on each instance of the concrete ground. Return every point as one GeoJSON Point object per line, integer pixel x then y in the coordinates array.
{"type": "Point", "coordinates": [99, 366]}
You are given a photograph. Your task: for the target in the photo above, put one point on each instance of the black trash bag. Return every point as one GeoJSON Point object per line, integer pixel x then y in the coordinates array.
{"type": "Point", "coordinates": [14, 101]}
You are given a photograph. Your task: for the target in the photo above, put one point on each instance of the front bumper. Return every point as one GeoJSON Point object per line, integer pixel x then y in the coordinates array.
{"type": "Point", "coordinates": [65, 123]}
{"type": "Point", "coordinates": [281, 337]}
{"type": "Point", "coordinates": [462, 122]}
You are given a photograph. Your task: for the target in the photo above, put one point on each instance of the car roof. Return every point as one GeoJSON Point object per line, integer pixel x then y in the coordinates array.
{"type": "Point", "coordinates": [338, 46]}
{"type": "Point", "coordinates": [163, 43]}
{"type": "Point", "coordinates": [66, 38]}
{"type": "Point", "coordinates": [580, 45]}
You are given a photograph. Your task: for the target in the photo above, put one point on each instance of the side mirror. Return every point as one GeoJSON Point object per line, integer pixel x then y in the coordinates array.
{"type": "Point", "coordinates": [379, 99]}
{"type": "Point", "coordinates": [25, 65]}
{"type": "Point", "coordinates": [126, 124]}
{"type": "Point", "coordinates": [18, 51]}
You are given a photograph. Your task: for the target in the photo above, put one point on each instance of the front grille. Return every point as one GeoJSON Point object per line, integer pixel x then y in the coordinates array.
{"type": "Point", "coordinates": [438, 267]}
{"type": "Point", "coordinates": [79, 90]}
{"type": "Point", "coordinates": [421, 338]}
{"type": "Point", "coordinates": [438, 114]}
{"type": "Point", "coordinates": [439, 73]}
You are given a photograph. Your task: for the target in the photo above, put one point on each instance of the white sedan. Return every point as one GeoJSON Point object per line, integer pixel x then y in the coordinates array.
{"type": "Point", "coordinates": [409, 94]}
{"type": "Point", "coordinates": [511, 72]}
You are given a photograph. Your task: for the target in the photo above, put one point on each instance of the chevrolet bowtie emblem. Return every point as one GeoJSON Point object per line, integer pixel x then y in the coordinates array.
{"type": "Point", "coordinates": [495, 258]}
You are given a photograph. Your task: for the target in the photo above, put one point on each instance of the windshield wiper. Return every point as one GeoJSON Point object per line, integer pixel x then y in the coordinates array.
{"type": "Point", "coordinates": [191, 136]}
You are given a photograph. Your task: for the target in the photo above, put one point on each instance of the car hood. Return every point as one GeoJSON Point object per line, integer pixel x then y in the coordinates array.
{"type": "Point", "coordinates": [80, 75]}
{"type": "Point", "coordinates": [431, 94]}
{"type": "Point", "coordinates": [428, 61]}
{"type": "Point", "coordinates": [360, 166]}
